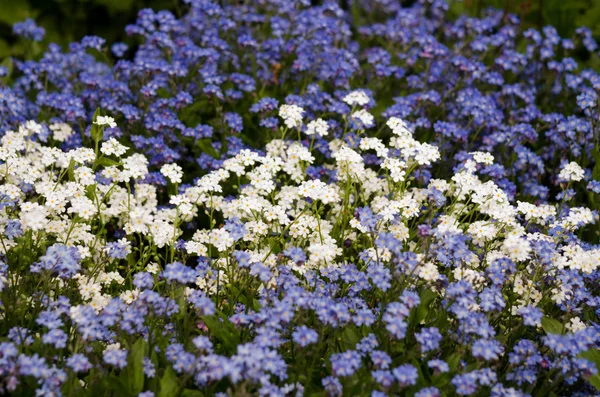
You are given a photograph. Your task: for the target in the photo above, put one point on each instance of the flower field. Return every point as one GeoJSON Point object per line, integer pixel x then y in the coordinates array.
{"type": "Point", "coordinates": [295, 198]}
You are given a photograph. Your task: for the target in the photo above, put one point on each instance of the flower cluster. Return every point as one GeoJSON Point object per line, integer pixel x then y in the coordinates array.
{"type": "Point", "coordinates": [269, 199]}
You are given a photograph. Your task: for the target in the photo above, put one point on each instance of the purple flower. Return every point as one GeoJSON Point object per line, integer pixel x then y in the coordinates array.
{"type": "Point", "coordinates": [406, 375]}
{"type": "Point", "coordinates": [118, 249]}
{"type": "Point", "coordinates": [429, 392]}
{"type": "Point", "coordinates": [531, 315]}
{"type": "Point", "coordinates": [438, 365]}
{"type": "Point", "coordinates": [305, 336]}
{"type": "Point", "coordinates": [79, 363]}
{"type": "Point", "coordinates": [60, 259]}
{"type": "Point", "coordinates": [487, 349]}
{"type": "Point", "coordinates": [429, 339]}
{"type": "Point", "coordinates": [29, 30]}
{"type": "Point", "coordinates": [115, 357]}
{"type": "Point", "coordinates": [346, 363]}
{"type": "Point", "coordinates": [177, 271]}
{"type": "Point", "coordinates": [594, 186]}
{"type": "Point", "coordinates": [332, 386]}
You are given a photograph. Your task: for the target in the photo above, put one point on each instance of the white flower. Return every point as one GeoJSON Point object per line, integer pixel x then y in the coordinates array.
{"type": "Point", "coordinates": [221, 239]}
{"type": "Point", "coordinates": [575, 324]}
{"type": "Point", "coordinates": [33, 127]}
{"type": "Point", "coordinates": [173, 172]}
{"type": "Point", "coordinates": [356, 98]}
{"type": "Point", "coordinates": [571, 172]}
{"type": "Point", "coordinates": [85, 176]}
{"type": "Point", "coordinates": [428, 272]}
{"type": "Point", "coordinates": [153, 268]}
{"type": "Point", "coordinates": [483, 158]}
{"type": "Point", "coordinates": [427, 154]}
{"type": "Point", "coordinates": [517, 248]}
{"type": "Point", "coordinates": [374, 144]}
{"type": "Point", "coordinates": [398, 126]}
{"type": "Point", "coordinates": [318, 190]}
{"type": "Point", "coordinates": [82, 155]}
{"type": "Point", "coordinates": [134, 167]}
{"type": "Point", "coordinates": [61, 131]}
{"type": "Point", "coordinates": [105, 120]}
{"type": "Point", "coordinates": [291, 115]}
{"type": "Point", "coordinates": [112, 146]}
{"type": "Point", "coordinates": [318, 126]}
{"type": "Point", "coordinates": [396, 168]}
{"type": "Point", "coordinates": [84, 207]}
{"type": "Point", "coordinates": [33, 216]}
{"type": "Point", "coordinates": [365, 118]}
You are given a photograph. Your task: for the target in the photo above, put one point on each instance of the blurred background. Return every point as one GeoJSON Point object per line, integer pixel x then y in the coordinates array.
{"type": "Point", "coordinates": [69, 20]}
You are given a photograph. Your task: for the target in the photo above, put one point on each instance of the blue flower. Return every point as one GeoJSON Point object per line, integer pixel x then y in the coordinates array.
{"type": "Point", "coordinates": [29, 30]}
{"type": "Point", "coordinates": [406, 375]}
{"type": "Point", "coordinates": [79, 363]}
{"type": "Point", "coordinates": [594, 186]}
{"type": "Point", "coordinates": [177, 271]}
{"type": "Point", "coordinates": [531, 315]}
{"type": "Point", "coordinates": [487, 349]}
{"type": "Point", "coordinates": [115, 357]}
{"type": "Point", "coordinates": [118, 249]}
{"type": "Point", "coordinates": [346, 363]}
{"type": "Point", "coordinates": [305, 336]}
{"type": "Point", "coordinates": [429, 392]}
{"type": "Point", "coordinates": [60, 259]}
{"type": "Point", "coordinates": [429, 339]}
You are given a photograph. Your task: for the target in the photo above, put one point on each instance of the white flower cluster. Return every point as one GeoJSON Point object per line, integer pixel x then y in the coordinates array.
{"type": "Point", "coordinates": [571, 172]}
{"type": "Point", "coordinates": [291, 115]}
{"type": "Point", "coordinates": [278, 199]}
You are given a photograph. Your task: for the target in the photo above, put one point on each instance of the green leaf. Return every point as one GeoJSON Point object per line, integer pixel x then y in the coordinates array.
{"type": "Point", "coordinates": [106, 162]}
{"type": "Point", "coordinates": [351, 336]}
{"type": "Point", "coordinates": [136, 366]}
{"type": "Point", "coordinates": [222, 330]}
{"type": "Point", "coordinates": [453, 361]}
{"type": "Point", "coordinates": [152, 383]}
{"type": "Point", "coordinates": [168, 384]}
{"type": "Point", "coordinates": [96, 131]}
{"type": "Point", "coordinates": [71, 171]}
{"type": "Point", "coordinates": [551, 325]}
{"type": "Point", "coordinates": [192, 393]}
{"type": "Point", "coordinates": [8, 64]}
{"type": "Point", "coordinates": [205, 145]}
{"type": "Point", "coordinates": [16, 11]}
{"type": "Point", "coordinates": [595, 381]}
{"type": "Point", "coordinates": [118, 385]}
{"type": "Point", "coordinates": [427, 296]}
{"type": "Point", "coordinates": [596, 170]}
{"type": "Point", "coordinates": [593, 356]}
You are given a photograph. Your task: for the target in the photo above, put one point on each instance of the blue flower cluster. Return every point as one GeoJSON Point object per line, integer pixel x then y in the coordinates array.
{"type": "Point", "coordinates": [284, 198]}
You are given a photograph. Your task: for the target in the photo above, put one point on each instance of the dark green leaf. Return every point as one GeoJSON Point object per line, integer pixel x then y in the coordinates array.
{"type": "Point", "coordinates": [551, 325]}
{"type": "Point", "coordinates": [595, 381]}
{"type": "Point", "coordinates": [106, 162]}
{"type": "Point", "coordinates": [136, 366]}
{"type": "Point", "coordinates": [427, 296]}
{"type": "Point", "coordinates": [596, 171]}
{"type": "Point", "coordinates": [192, 393]}
{"type": "Point", "coordinates": [71, 171]}
{"type": "Point", "coordinates": [222, 330]}
{"type": "Point", "coordinates": [453, 361]}
{"type": "Point", "coordinates": [206, 146]}
{"type": "Point", "coordinates": [592, 355]}
{"type": "Point", "coordinates": [168, 384]}
{"type": "Point", "coordinates": [351, 336]}
{"type": "Point", "coordinates": [117, 385]}
{"type": "Point", "coordinates": [96, 131]}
